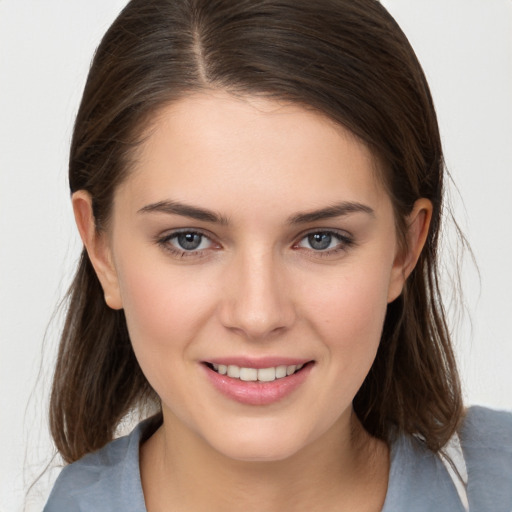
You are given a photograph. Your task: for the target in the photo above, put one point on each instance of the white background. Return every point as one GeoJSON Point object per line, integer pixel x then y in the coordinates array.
{"type": "Point", "coordinates": [465, 47]}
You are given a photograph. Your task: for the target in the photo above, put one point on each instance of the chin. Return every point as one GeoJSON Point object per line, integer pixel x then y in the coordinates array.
{"type": "Point", "coordinates": [259, 454]}
{"type": "Point", "coordinates": [263, 446]}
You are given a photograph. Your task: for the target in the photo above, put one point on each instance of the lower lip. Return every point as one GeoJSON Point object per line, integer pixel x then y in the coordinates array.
{"type": "Point", "coordinates": [255, 392]}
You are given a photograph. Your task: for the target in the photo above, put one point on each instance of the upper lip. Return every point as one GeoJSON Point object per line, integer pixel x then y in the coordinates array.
{"type": "Point", "coordinates": [257, 362]}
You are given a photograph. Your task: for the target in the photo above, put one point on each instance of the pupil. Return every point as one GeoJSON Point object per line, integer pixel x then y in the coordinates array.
{"type": "Point", "coordinates": [320, 241]}
{"type": "Point", "coordinates": [189, 241]}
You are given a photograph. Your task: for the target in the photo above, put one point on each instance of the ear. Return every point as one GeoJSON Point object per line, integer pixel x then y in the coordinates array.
{"type": "Point", "coordinates": [98, 248]}
{"type": "Point", "coordinates": [418, 223]}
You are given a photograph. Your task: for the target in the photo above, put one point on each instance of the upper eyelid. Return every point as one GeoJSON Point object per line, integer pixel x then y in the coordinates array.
{"type": "Point", "coordinates": [168, 234]}
{"type": "Point", "coordinates": [343, 234]}
{"type": "Point", "coordinates": [337, 232]}
{"type": "Point", "coordinates": [345, 241]}
{"type": "Point", "coordinates": [165, 241]}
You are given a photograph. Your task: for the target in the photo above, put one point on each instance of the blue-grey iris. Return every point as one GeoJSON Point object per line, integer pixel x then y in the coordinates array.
{"type": "Point", "coordinates": [189, 241]}
{"type": "Point", "coordinates": [319, 241]}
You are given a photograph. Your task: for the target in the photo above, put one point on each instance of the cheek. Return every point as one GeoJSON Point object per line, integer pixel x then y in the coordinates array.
{"type": "Point", "coordinates": [348, 314]}
{"type": "Point", "coordinates": [165, 313]}
{"type": "Point", "coordinates": [164, 307]}
{"type": "Point", "coordinates": [356, 299]}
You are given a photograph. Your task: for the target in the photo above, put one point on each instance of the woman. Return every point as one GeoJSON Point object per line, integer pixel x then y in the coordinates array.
{"type": "Point", "coordinates": [258, 186]}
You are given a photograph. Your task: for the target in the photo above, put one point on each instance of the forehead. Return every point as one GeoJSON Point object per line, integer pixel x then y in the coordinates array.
{"type": "Point", "coordinates": [210, 141]}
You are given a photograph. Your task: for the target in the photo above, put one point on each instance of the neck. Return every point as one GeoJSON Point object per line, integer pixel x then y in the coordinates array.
{"type": "Point", "coordinates": [344, 469]}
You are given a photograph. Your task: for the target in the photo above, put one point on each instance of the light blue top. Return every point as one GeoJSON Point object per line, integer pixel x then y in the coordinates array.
{"type": "Point", "coordinates": [109, 479]}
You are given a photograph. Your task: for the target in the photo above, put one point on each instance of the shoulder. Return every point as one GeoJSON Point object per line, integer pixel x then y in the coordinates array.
{"type": "Point", "coordinates": [486, 440]}
{"type": "Point", "coordinates": [486, 427]}
{"type": "Point", "coordinates": [106, 480]}
{"type": "Point", "coordinates": [487, 434]}
{"type": "Point", "coordinates": [418, 480]}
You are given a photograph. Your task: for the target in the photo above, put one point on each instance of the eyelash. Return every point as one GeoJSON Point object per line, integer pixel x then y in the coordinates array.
{"type": "Point", "coordinates": [345, 242]}
{"type": "Point", "coordinates": [165, 243]}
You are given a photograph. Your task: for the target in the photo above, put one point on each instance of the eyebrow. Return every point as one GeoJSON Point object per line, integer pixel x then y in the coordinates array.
{"type": "Point", "coordinates": [336, 210]}
{"type": "Point", "coordinates": [185, 210]}
{"type": "Point", "coordinates": [202, 214]}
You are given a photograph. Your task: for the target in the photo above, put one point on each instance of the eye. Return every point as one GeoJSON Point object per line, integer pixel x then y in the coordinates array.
{"type": "Point", "coordinates": [186, 243]}
{"type": "Point", "coordinates": [320, 241]}
{"type": "Point", "coordinates": [325, 241]}
{"type": "Point", "coordinates": [190, 241]}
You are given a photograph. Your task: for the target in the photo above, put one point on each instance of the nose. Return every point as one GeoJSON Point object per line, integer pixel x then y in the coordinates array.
{"type": "Point", "coordinates": [257, 302]}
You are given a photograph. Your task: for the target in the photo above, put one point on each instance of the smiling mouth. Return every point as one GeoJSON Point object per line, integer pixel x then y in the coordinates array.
{"type": "Point", "coordinates": [269, 374]}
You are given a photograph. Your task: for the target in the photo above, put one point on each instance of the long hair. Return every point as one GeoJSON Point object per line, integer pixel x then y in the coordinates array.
{"type": "Point", "coordinates": [346, 59]}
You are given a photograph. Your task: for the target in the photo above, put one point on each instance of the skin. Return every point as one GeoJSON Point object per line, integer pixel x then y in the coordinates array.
{"type": "Point", "coordinates": [255, 287]}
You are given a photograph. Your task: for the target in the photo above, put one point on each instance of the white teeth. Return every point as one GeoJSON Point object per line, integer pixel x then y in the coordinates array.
{"type": "Point", "coordinates": [266, 374]}
{"type": "Point", "coordinates": [233, 371]}
{"type": "Point", "coordinates": [280, 372]}
{"type": "Point", "coordinates": [290, 369]}
{"type": "Point", "coordinates": [256, 374]}
{"type": "Point", "coordinates": [248, 374]}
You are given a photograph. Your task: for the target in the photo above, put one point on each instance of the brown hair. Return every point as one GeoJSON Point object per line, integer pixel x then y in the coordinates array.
{"type": "Point", "coordinates": [347, 59]}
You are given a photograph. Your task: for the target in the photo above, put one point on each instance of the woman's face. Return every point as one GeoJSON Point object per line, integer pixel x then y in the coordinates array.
{"type": "Point", "coordinates": [253, 238]}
